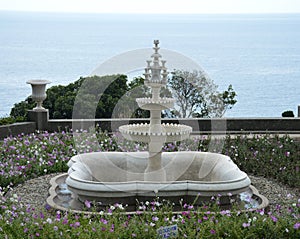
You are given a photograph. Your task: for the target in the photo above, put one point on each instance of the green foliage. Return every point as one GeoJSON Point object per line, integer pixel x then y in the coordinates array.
{"type": "Point", "coordinates": [23, 221]}
{"type": "Point", "coordinates": [128, 106]}
{"type": "Point", "coordinates": [87, 97]}
{"type": "Point", "coordinates": [271, 157]}
{"type": "Point", "coordinates": [11, 120]}
{"type": "Point", "coordinates": [98, 96]}
{"type": "Point", "coordinates": [112, 96]}
{"type": "Point", "coordinates": [197, 95]}
{"type": "Point", "coordinates": [20, 109]}
{"type": "Point", "coordinates": [288, 113]}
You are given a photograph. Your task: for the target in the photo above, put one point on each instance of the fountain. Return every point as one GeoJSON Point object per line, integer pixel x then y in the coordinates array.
{"type": "Point", "coordinates": [125, 177]}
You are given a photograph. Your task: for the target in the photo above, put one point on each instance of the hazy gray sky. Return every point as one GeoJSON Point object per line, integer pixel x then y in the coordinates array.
{"type": "Point", "coordinates": [154, 6]}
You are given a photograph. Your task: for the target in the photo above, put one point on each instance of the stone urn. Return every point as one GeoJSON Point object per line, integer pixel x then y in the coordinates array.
{"type": "Point", "coordinates": [38, 93]}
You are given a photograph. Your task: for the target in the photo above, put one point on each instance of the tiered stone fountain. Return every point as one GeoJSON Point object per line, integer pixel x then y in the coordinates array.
{"type": "Point", "coordinates": [155, 133]}
{"type": "Point", "coordinates": [124, 177]}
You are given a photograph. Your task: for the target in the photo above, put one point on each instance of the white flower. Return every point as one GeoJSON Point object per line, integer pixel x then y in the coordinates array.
{"type": "Point", "coordinates": [49, 220]}
{"type": "Point", "coordinates": [112, 207]}
{"type": "Point", "coordinates": [152, 224]}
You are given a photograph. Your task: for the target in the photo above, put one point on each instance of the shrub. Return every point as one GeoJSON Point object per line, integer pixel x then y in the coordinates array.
{"type": "Point", "coordinates": [11, 120]}
{"type": "Point", "coordinates": [288, 113]}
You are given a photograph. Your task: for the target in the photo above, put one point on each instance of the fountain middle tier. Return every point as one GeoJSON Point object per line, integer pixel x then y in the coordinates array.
{"type": "Point", "coordinates": [145, 132]}
{"type": "Point", "coordinates": [159, 104]}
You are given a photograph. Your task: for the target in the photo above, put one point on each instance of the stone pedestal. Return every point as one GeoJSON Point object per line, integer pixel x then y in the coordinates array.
{"type": "Point", "coordinates": [40, 117]}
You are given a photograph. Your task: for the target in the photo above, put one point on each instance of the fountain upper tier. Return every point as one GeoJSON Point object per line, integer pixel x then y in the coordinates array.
{"type": "Point", "coordinates": [155, 78]}
{"type": "Point", "coordinates": [157, 104]}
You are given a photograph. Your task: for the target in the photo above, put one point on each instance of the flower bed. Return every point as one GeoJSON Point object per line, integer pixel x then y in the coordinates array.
{"type": "Point", "coordinates": [30, 156]}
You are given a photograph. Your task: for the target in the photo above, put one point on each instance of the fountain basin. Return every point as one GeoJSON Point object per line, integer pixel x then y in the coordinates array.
{"type": "Point", "coordinates": [118, 177]}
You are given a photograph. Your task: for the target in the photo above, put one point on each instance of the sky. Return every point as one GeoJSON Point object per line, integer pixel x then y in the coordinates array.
{"type": "Point", "coordinates": [154, 6]}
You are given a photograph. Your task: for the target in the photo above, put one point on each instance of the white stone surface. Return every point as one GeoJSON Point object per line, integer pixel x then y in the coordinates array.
{"type": "Point", "coordinates": [120, 174]}
{"type": "Point", "coordinates": [38, 93]}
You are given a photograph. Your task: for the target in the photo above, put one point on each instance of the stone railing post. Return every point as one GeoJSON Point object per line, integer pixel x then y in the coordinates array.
{"type": "Point", "coordinates": [41, 118]}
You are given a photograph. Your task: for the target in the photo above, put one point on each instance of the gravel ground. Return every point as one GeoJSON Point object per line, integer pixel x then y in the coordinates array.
{"type": "Point", "coordinates": [35, 191]}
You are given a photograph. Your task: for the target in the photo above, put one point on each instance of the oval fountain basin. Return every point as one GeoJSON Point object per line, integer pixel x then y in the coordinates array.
{"type": "Point", "coordinates": [118, 177]}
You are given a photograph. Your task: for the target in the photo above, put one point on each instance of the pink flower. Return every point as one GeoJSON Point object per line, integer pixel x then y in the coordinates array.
{"type": "Point", "coordinates": [246, 225]}
{"type": "Point", "coordinates": [87, 204]}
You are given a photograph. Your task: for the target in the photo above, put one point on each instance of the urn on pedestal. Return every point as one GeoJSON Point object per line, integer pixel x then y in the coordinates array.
{"type": "Point", "coordinates": [38, 93]}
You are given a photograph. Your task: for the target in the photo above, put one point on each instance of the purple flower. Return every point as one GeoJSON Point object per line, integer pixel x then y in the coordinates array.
{"type": "Point", "coordinates": [58, 215]}
{"type": "Point", "coordinates": [103, 221]}
{"type": "Point", "coordinates": [76, 224]}
{"type": "Point", "coordinates": [47, 207]}
{"type": "Point", "coordinates": [287, 154]}
{"type": "Point", "coordinates": [212, 231]}
{"type": "Point", "coordinates": [274, 219]}
{"type": "Point", "coordinates": [297, 225]}
{"type": "Point", "coordinates": [65, 221]}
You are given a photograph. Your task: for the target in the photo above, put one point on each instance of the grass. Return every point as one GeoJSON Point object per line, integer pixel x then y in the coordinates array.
{"type": "Point", "coordinates": [29, 156]}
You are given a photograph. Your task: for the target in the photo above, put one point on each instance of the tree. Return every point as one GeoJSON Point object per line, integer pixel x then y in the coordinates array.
{"type": "Point", "coordinates": [112, 96]}
{"type": "Point", "coordinates": [95, 96]}
{"type": "Point", "coordinates": [128, 105]}
{"type": "Point", "coordinates": [197, 96]}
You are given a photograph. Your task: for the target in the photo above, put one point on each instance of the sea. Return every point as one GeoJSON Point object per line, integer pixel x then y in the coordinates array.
{"type": "Point", "coordinates": [258, 54]}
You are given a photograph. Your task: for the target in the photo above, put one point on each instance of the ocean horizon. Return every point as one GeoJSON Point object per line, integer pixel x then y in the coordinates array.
{"type": "Point", "coordinates": [259, 54]}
